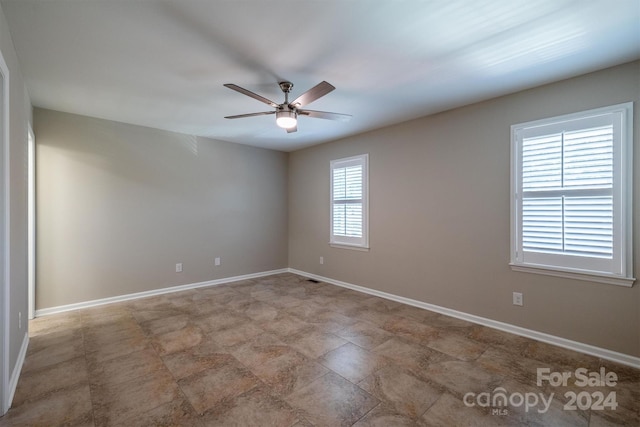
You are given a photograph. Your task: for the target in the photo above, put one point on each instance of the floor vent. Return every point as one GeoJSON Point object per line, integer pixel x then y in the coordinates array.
{"type": "Point", "coordinates": [313, 281]}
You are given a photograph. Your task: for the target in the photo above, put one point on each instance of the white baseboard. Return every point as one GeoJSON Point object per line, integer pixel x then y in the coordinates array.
{"type": "Point", "coordinates": [128, 297]}
{"type": "Point", "coordinates": [15, 374]}
{"type": "Point", "coordinates": [603, 353]}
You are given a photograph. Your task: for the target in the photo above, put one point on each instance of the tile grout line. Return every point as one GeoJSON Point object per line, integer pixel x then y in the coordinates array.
{"type": "Point", "coordinates": [86, 362]}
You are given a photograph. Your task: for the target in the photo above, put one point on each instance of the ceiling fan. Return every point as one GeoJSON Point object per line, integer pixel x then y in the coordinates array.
{"type": "Point", "coordinates": [287, 113]}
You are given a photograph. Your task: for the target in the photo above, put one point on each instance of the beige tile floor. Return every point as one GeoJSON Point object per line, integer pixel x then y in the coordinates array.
{"type": "Point", "coordinates": [284, 351]}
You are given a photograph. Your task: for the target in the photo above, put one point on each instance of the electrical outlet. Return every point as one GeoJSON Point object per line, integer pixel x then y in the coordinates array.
{"type": "Point", "coordinates": [179, 267]}
{"type": "Point", "coordinates": [217, 261]}
{"type": "Point", "coordinates": [517, 298]}
{"type": "Point", "coordinates": [321, 260]}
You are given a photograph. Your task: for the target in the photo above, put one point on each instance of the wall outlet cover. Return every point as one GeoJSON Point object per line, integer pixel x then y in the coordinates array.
{"type": "Point", "coordinates": [517, 298]}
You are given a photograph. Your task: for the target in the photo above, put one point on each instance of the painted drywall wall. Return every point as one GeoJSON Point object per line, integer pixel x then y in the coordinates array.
{"type": "Point", "coordinates": [19, 116]}
{"type": "Point", "coordinates": [439, 215]}
{"type": "Point", "coordinates": [119, 205]}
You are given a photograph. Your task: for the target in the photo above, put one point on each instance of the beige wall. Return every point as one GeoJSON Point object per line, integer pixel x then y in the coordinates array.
{"type": "Point", "coordinates": [20, 115]}
{"type": "Point", "coordinates": [119, 205]}
{"type": "Point", "coordinates": [439, 215]}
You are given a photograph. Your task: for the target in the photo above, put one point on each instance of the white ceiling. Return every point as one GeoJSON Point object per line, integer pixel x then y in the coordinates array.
{"type": "Point", "coordinates": [163, 64]}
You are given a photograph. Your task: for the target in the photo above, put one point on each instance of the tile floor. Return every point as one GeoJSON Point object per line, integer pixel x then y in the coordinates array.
{"type": "Point", "coordinates": [284, 351]}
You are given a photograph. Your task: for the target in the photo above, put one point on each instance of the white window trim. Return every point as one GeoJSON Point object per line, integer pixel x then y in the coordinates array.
{"type": "Point", "coordinates": [345, 242]}
{"type": "Point", "coordinates": [623, 191]}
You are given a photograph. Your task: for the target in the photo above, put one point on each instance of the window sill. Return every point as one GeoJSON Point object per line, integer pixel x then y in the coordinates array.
{"type": "Point", "coordinates": [352, 247]}
{"type": "Point", "coordinates": [575, 274]}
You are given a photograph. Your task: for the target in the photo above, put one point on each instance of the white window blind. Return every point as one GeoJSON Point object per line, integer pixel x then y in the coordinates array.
{"type": "Point", "coordinates": [349, 201]}
{"type": "Point", "coordinates": [571, 193]}
{"type": "Point", "coordinates": [567, 188]}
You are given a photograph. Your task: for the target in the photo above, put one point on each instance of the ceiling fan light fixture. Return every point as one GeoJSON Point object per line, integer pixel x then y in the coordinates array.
{"type": "Point", "coordinates": [286, 119]}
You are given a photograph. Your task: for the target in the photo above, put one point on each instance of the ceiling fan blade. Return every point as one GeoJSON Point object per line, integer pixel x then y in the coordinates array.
{"type": "Point", "coordinates": [293, 129]}
{"type": "Point", "coordinates": [251, 94]}
{"type": "Point", "coordinates": [318, 91]}
{"type": "Point", "coordinates": [240, 116]}
{"type": "Point", "coordinates": [325, 115]}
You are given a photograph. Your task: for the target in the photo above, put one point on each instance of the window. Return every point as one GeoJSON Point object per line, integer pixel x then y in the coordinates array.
{"type": "Point", "coordinates": [571, 195]}
{"type": "Point", "coordinates": [349, 202]}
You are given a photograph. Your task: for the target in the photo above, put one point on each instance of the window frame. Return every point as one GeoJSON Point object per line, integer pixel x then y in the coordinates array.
{"type": "Point", "coordinates": [346, 242]}
{"type": "Point", "coordinates": [621, 266]}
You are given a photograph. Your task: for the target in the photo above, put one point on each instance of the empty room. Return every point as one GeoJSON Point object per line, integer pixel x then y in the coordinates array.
{"type": "Point", "coordinates": [319, 213]}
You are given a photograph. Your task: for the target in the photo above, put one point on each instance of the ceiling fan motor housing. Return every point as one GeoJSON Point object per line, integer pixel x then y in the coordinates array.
{"type": "Point", "coordinates": [286, 86]}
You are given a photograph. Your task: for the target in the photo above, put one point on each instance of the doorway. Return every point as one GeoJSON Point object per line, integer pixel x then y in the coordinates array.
{"type": "Point", "coordinates": [31, 224]}
{"type": "Point", "coordinates": [4, 236]}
